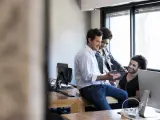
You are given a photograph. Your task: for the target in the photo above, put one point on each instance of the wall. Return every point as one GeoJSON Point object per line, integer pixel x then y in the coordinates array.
{"type": "Point", "coordinates": [21, 59]}
{"type": "Point", "coordinates": [91, 4]}
{"type": "Point", "coordinates": [68, 32]}
{"type": "Point", "coordinates": [95, 19]}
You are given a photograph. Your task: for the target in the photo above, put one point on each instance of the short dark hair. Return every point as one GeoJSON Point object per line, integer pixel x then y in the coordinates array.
{"type": "Point", "coordinates": [92, 33]}
{"type": "Point", "coordinates": [107, 34]}
{"type": "Point", "coordinates": [142, 62]}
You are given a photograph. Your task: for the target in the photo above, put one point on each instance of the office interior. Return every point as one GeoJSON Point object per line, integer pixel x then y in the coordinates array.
{"type": "Point", "coordinates": [134, 24]}
{"type": "Point", "coordinates": [23, 41]}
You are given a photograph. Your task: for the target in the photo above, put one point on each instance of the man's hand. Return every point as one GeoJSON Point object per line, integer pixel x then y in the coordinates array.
{"type": "Point", "coordinates": [109, 76]}
{"type": "Point", "coordinates": [116, 75]}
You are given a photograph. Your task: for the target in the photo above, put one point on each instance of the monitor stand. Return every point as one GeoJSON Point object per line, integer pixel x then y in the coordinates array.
{"type": "Point", "coordinates": [144, 110]}
{"type": "Point", "coordinates": [150, 112]}
{"type": "Point", "coordinates": [58, 83]}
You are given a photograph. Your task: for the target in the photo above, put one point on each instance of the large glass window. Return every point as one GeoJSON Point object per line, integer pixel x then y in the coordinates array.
{"type": "Point", "coordinates": [119, 24]}
{"type": "Point", "coordinates": [147, 35]}
{"type": "Point", "coordinates": [136, 31]}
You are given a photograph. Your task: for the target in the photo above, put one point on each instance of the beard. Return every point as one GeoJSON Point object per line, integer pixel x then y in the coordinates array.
{"type": "Point", "coordinates": [132, 71]}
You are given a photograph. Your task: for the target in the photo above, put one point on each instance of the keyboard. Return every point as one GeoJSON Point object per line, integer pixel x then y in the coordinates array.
{"type": "Point", "coordinates": [63, 93]}
{"type": "Point", "coordinates": [65, 88]}
{"type": "Point", "coordinates": [66, 94]}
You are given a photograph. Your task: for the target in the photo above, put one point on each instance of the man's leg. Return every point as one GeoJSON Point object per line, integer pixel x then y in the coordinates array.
{"type": "Point", "coordinates": [96, 96]}
{"type": "Point", "coordinates": [117, 93]}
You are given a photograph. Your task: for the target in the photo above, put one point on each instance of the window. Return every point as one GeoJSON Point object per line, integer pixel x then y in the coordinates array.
{"type": "Point", "coordinates": [147, 35]}
{"type": "Point", "coordinates": [119, 24]}
{"type": "Point", "coordinates": [135, 28]}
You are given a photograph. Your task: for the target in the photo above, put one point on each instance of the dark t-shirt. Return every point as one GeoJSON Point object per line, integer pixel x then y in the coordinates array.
{"type": "Point", "coordinates": [131, 87]}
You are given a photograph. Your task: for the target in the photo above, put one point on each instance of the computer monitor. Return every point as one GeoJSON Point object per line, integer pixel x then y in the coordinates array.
{"type": "Point", "coordinates": [64, 74]}
{"type": "Point", "coordinates": [150, 80]}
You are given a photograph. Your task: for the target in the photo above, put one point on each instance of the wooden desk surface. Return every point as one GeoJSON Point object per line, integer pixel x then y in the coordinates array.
{"type": "Point", "coordinates": [60, 100]}
{"type": "Point", "coordinates": [54, 96]}
{"type": "Point", "coordinates": [58, 96]}
{"type": "Point", "coordinates": [100, 115]}
{"type": "Point", "coordinates": [77, 104]}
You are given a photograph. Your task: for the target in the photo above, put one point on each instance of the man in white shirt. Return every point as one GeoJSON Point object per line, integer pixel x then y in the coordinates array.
{"type": "Point", "coordinates": [88, 77]}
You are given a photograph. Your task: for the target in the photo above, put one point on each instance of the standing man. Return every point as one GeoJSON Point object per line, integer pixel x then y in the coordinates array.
{"type": "Point", "coordinates": [88, 77]}
{"type": "Point", "coordinates": [110, 62]}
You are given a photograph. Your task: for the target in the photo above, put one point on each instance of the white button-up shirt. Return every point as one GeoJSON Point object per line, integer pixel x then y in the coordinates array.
{"type": "Point", "coordinates": [86, 68]}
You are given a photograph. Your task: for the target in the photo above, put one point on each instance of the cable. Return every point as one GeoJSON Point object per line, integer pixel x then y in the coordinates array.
{"type": "Point", "coordinates": [126, 113]}
{"type": "Point", "coordinates": [130, 99]}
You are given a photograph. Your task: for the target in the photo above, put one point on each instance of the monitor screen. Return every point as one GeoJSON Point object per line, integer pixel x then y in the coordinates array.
{"type": "Point", "coordinates": [150, 80]}
{"type": "Point", "coordinates": [69, 75]}
{"type": "Point", "coordinates": [64, 74]}
{"type": "Point", "coordinates": [62, 70]}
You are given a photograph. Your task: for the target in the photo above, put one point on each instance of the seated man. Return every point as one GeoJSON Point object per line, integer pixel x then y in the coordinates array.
{"type": "Point", "coordinates": [130, 79]}
{"type": "Point", "coordinates": [88, 77]}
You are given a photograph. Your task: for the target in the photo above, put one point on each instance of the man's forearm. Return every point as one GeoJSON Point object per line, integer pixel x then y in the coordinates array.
{"type": "Point", "coordinates": [102, 77]}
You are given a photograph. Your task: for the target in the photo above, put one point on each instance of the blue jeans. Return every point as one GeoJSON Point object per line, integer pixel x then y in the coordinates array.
{"type": "Point", "coordinates": [96, 94]}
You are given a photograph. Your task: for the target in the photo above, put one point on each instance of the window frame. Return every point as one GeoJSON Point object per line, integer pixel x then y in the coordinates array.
{"type": "Point", "coordinates": [131, 7]}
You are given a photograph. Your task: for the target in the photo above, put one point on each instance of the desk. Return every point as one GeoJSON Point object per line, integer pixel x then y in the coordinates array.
{"type": "Point", "coordinates": [77, 104]}
{"type": "Point", "coordinates": [99, 115]}
{"type": "Point", "coordinates": [59, 100]}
